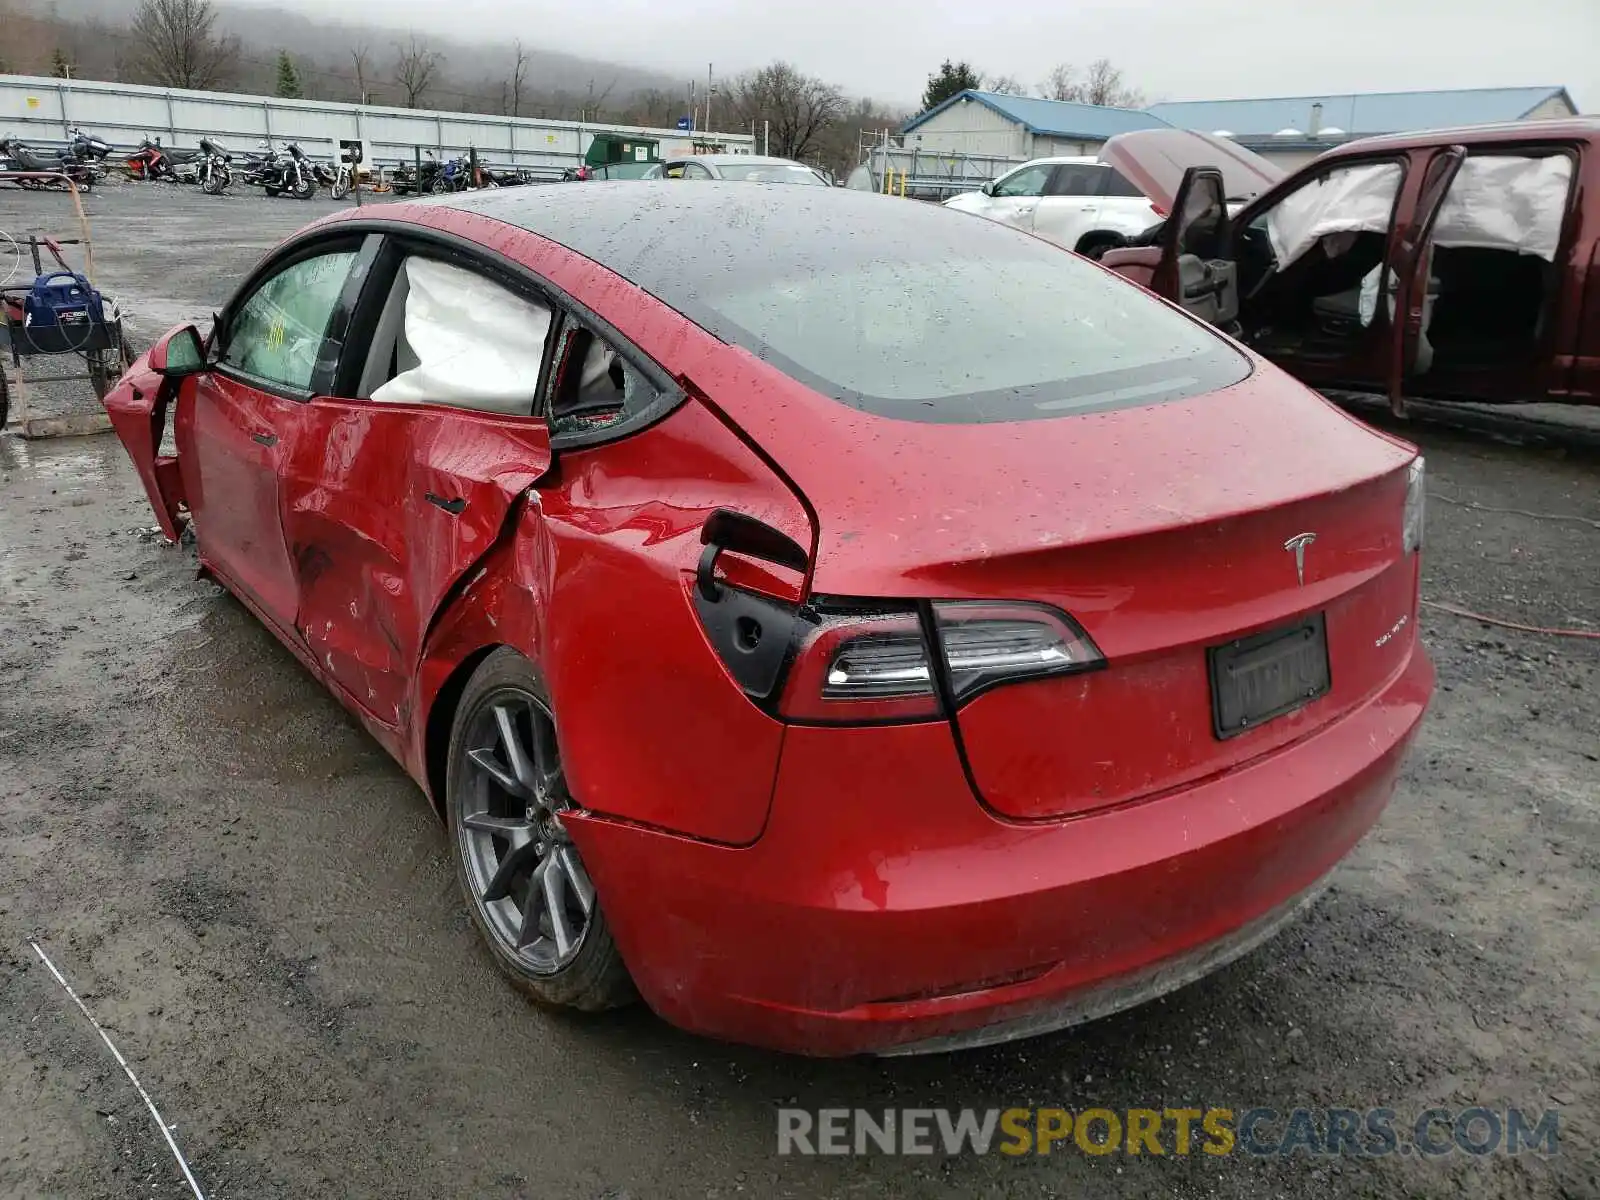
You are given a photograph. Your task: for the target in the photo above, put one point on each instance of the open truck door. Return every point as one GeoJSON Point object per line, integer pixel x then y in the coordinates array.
{"type": "Point", "coordinates": [1196, 268]}
{"type": "Point", "coordinates": [1410, 267]}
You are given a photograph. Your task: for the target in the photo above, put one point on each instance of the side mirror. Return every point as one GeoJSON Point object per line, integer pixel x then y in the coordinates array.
{"type": "Point", "coordinates": [179, 353]}
{"type": "Point", "coordinates": [988, 188]}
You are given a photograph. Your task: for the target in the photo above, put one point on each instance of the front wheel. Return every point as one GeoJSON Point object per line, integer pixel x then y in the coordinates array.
{"type": "Point", "coordinates": [524, 880]}
{"type": "Point", "coordinates": [304, 188]}
{"type": "Point", "coordinates": [212, 183]}
{"type": "Point", "coordinates": [340, 187]}
{"type": "Point", "coordinates": [439, 186]}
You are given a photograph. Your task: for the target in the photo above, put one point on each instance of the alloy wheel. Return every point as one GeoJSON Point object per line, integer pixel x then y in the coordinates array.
{"type": "Point", "coordinates": [523, 871]}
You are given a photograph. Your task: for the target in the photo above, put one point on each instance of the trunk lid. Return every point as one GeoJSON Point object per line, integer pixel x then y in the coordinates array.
{"type": "Point", "coordinates": [1166, 531]}
{"type": "Point", "coordinates": [1155, 160]}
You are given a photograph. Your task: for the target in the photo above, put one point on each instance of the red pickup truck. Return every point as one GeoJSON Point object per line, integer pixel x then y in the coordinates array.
{"type": "Point", "coordinates": [1457, 264]}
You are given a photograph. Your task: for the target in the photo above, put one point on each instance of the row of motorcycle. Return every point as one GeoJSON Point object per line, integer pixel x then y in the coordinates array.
{"type": "Point", "coordinates": [278, 171]}
{"type": "Point", "coordinates": [87, 159]}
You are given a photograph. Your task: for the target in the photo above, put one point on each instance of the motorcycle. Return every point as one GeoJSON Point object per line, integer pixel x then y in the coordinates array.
{"type": "Point", "coordinates": [25, 158]}
{"type": "Point", "coordinates": [216, 169]}
{"type": "Point", "coordinates": [89, 148]}
{"type": "Point", "coordinates": [149, 162]}
{"type": "Point", "coordinates": [410, 179]}
{"type": "Point", "coordinates": [456, 176]}
{"type": "Point", "coordinates": [289, 172]}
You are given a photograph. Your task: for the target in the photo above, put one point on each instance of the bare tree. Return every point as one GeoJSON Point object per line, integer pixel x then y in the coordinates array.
{"type": "Point", "coordinates": [1103, 85]}
{"type": "Point", "coordinates": [1006, 85]}
{"type": "Point", "coordinates": [1061, 84]}
{"type": "Point", "coordinates": [415, 68]}
{"type": "Point", "coordinates": [178, 45]}
{"type": "Point", "coordinates": [519, 78]}
{"type": "Point", "coordinates": [800, 107]}
{"type": "Point", "coordinates": [361, 64]}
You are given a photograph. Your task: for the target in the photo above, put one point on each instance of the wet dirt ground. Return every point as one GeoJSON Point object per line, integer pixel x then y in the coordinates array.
{"type": "Point", "coordinates": [259, 906]}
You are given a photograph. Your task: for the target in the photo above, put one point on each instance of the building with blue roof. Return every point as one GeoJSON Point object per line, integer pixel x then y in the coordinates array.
{"type": "Point", "coordinates": [1294, 129]}
{"type": "Point", "coordinates": [988, 123]}
{"type": "Point", "coordinates": [1288, 129]}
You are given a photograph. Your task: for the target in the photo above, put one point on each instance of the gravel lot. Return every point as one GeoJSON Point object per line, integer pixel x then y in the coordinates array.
{"type": "Point", "coordinates": [260, 908]}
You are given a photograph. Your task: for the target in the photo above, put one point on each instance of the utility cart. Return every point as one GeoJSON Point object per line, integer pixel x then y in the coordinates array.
{"type": "Point", "coordinates": [55, 328]}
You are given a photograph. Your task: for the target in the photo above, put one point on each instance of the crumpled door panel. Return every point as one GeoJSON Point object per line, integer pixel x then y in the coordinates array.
{"type": "Point", "coordinates": [137, 405]}
{"type": "Point", "coordinates": [385, 508]}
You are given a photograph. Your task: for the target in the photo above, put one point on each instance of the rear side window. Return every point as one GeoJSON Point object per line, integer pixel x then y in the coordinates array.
{"type": "Point", "coordinates": [1118, 184]}
{"type": "Point", "coordinates": [596, 388]}
{"type": "Point", "coordinates": [1076, 179]}
{"type": "Point", "coordinates": [995, 326]}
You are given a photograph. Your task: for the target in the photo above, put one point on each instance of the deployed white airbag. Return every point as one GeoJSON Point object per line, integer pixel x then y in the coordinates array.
{"type": "Point", "coordinates": [1348, 200]}
{"type": "Point", "coordinates": [476, 344]}
{"type": "Point", "coordinates": [1506, 202]}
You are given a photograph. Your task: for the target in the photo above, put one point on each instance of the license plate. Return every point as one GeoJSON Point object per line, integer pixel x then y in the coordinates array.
{"type": "Point", "coordinates": [1267, 675]}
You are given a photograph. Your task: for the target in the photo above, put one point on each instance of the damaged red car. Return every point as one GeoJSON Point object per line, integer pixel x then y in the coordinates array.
{"type": "Point", "coordinates": [849, 626]}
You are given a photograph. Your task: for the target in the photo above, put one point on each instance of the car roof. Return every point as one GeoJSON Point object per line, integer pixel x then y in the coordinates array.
{"type": "Point", "coordinates": [1560, 129]}
{"type": "Point", "coordinates": [1060, 160]}
{"type": "Point", "coordinates": [755, 159]}
{"type": "Point", "coordinates": [667, 238]}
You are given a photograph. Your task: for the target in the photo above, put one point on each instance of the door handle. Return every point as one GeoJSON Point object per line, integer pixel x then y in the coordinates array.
{"type": "Point", "coordinates": [266, 439]}
{"type": "Point", "coordinates": [453, 507]}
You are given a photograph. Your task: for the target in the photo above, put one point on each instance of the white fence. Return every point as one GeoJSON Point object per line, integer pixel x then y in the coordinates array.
{"type": "Point", "coordinates": [41, 109]}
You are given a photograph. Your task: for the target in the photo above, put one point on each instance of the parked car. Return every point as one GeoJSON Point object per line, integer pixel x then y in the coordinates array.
{"type": "Point", "coordinates": [749, 168]}
{"type": "Point", "coordinates": [941, 647]}
{"type": "Point", "coordinates": [1089, 206]}
{"type": "Point", "coordinates": [619, 170]}
{"type": "Point", "coordinates": [1458, 264]}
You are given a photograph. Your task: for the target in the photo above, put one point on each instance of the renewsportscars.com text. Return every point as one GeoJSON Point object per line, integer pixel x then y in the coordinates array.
{"type": "Point", "coordinates": [1261, 1132]}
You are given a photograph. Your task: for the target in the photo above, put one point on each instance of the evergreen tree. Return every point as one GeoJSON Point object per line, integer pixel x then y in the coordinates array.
{"type": "Point", "coordinates": [288, 78]}
{"type": "Point", "coordinates": [59, 66]}
{"type": "Point", "coordinates": [949, 80]}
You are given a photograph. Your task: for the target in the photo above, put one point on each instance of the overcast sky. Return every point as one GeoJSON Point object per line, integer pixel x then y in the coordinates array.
{"type": "Point", "coordinates": [1170, 49]}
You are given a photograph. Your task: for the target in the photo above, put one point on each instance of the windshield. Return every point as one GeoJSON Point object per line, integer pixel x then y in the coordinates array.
{"type": "Point", "coordinates": [983, 328]}
{"type": "Point", "coordinates": [631, 170]}
{"type": "Point", "coordinates": [770, 173]}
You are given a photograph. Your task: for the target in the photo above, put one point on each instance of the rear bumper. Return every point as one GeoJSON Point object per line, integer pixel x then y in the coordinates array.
{"type": "Point", "coordinates": [884, 910]}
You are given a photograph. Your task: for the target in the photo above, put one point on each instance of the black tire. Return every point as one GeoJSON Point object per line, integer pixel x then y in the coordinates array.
{"type": "Point", "coordinates": [5, 395]}
{"type": "Point", "coordinates": [506, 692]}
{"type": "Point", "coordinates": [1093, 245]}
{"type": "Point", "coordinates": [272, 191]}
{"type": "Point", "coordinates": [305, 189]}
{"type": "Point", "coordinates": [340, 187]}
{"type": "Point", "coordinates": [213, 183]}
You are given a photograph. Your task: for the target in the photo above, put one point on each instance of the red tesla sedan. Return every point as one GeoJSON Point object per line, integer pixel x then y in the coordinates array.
{"type": "Point", "coordinates": [853, 626]}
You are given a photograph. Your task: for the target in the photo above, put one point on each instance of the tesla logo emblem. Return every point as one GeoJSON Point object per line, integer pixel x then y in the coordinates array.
{"type": "Point", "coordinates": [1297, 545]}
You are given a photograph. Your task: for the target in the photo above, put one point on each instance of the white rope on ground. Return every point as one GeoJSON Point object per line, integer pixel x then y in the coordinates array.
{"type": "Point", "coordinates": [127, 1070]}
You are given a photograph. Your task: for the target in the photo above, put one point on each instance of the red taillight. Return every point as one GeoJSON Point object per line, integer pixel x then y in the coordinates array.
{"type": "Point", "coordinates": [879, 666]}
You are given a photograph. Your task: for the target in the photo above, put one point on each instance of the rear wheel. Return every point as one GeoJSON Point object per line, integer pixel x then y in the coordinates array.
{"type": "Point", "coordinates": [524, 880]}
{"type": "Point", "coordinates": [273, 191]}
{"type": "Point", "coordinates": [5, 394]}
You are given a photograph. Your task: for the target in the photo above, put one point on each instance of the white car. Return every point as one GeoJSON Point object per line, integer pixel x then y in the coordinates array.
{"type": "Point", "coordinates": [1080, 203]}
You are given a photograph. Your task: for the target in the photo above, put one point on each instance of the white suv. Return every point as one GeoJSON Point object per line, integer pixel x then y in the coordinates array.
{"type": "Point", "coordinates": [1079, 203]}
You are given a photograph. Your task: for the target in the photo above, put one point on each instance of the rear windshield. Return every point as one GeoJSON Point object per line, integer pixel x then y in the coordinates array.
{"type": "Point", "coordinates": [770, 173]}
{"type": "Point", "coordinates": [986, 324]}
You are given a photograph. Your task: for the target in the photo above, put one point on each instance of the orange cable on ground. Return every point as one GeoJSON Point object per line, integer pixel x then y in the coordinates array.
{"type": "Point", "coordinates": [1469, 614]}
